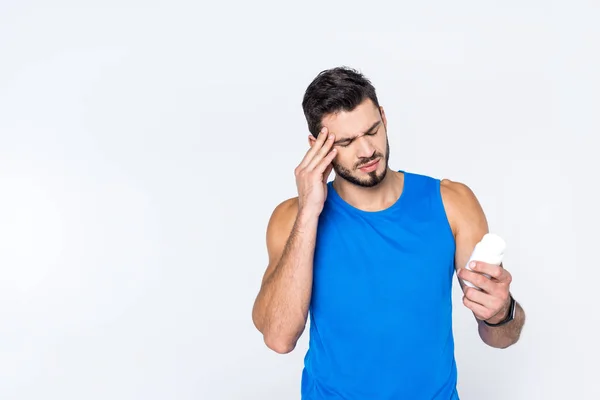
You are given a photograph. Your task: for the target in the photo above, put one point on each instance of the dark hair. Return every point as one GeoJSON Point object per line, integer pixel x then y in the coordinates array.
{"type": "Point", "coordinates": [337, 89]}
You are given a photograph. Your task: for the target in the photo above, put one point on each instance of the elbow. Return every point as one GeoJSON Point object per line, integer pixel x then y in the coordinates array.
{"type": "Point", "coordinates": [283, 342]}
{"type": "Point", "coordinates": [279, 336]}
{"type": "Point", "coordinates": [275, 342]}
{"type": "Point", "coordinates": [279, 345]}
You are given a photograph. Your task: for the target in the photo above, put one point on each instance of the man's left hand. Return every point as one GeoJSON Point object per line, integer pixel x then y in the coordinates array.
{"type": "Point", "coordinates": [492, 302]}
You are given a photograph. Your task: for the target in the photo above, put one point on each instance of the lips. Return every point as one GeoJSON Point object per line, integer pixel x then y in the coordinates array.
{"type": "Point", "coordinates": [369, 164]}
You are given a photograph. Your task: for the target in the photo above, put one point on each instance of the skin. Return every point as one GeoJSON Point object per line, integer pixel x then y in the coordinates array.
{"type": "Point", "coordinates": [356, 138]}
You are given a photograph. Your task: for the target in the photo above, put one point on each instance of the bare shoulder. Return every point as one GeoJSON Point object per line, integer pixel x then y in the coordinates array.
{"type": "Point", "coordinates": [283, 216]}
{"type": "Point", "coordinates": [455, 191]}
{"type": "Point", "coordinates": [461, 204]}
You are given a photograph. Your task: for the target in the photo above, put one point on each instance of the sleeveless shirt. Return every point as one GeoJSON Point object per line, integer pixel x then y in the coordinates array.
{"type": "Point", "coordinates": [381, 309]}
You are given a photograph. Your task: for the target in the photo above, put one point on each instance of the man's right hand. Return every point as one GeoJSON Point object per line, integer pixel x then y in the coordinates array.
{"type": "Point", "coordinates": [312, 174]}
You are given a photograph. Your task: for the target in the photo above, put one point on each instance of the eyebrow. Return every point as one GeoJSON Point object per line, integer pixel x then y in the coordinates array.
{"type": "Point", "coordinates": [371, 128]}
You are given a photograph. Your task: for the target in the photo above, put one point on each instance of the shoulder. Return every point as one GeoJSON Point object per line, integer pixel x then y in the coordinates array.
{"type": "Point", "coordinates": [284, 213]}
{"type": "Point", "coordinates": [455, 191]}
{"type": "Point", "coordinates": [281, 222]}
{"type": "Point", "coordinates": [280, 225]}
{"type": "Point", "coordinates": [461, 204]}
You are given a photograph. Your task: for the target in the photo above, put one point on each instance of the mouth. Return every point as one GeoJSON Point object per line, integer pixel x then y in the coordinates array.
{"type": "Point", "coordinates": [370, 166]}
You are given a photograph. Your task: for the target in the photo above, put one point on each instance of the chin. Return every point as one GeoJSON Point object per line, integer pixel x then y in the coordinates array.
{"type": "Point", "coordinates": [371, 179]}
{"type": "Point", "coordinates": [363, 179]}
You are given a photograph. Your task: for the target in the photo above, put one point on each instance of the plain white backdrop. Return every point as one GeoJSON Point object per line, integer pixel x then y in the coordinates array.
{"type": "Point", "coordinates": [144, 145]}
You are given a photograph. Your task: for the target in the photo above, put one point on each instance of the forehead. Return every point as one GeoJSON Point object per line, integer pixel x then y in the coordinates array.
{"type": "Point", "coordinates": [352, 123]}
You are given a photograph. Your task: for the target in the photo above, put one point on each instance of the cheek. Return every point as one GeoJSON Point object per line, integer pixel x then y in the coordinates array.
{"type": "Point", "coordinates": [340, 160]}
{"type": "Point", "coordinates": [383, 147]}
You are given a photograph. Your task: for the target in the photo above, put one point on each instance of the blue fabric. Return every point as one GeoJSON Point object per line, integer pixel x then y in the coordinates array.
{"type": "Point", "coordinates": [381, 308]}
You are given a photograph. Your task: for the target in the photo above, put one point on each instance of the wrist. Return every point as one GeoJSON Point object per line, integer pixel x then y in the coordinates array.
{"type": "Point", "coordinates": [307, 216]}
{"type": "Point", "coordinates": [505, 315]}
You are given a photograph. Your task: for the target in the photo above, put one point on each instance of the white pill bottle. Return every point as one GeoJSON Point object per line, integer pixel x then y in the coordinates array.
{"type": "Point", "coordinates": [489, 250]}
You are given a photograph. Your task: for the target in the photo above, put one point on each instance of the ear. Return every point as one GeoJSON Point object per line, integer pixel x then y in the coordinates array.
{"type": "Point", "coordinates": [311, 140]}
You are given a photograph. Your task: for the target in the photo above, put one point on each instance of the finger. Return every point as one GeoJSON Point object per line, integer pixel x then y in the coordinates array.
{"type": "Point", "coordinates": [477, 279]}
{"type": "Point", "coordinates": [484, 299]}
{"type": "Point", "coordinates": [323, 152]}
{"type": "Point", "coordinates": [326, 163]}
{"type": "Point", "coordinates": [480, 311]}
{"type": "Point", "coordinates": [321, 137]}
{"type": "Point", "coordinates": [314, 149]}
{"type": "Point", "coordinates": [495, 271]}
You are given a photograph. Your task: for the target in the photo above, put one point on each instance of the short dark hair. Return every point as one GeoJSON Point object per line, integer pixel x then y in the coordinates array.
{"type": "Point", "coordinates": [336, 89]}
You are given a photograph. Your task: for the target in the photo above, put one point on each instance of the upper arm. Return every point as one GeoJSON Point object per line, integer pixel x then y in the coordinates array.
{"type": "Point", "coordinates": [466, 217]}
{"type": "Point", "coordinates": [279, 228]}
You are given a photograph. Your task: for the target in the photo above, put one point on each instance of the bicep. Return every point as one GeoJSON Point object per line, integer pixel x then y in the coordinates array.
{"type": "Point", "coordinates": [467, 218]}
{"type": "Point", "coordinates": [278, 231]}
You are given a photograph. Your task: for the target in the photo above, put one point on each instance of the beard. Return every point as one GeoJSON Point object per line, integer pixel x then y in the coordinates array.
{"type": "Point", "coordinates": [373, 178]}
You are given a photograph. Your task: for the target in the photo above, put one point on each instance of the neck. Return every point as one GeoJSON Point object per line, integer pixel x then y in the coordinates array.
{"type": "Point", "coordinates": [374, 198]}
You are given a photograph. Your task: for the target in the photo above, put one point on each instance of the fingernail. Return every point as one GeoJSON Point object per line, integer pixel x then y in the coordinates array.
{"type": "Point", "coordinates": [473, 264]}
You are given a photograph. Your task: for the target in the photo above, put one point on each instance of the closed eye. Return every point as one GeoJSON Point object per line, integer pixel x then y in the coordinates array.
{"type": "Point", "coordinates": [345, 143]}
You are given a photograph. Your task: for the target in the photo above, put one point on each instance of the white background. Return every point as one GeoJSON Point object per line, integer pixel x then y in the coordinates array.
{"type": "Point", "coordinates": [143, 146]}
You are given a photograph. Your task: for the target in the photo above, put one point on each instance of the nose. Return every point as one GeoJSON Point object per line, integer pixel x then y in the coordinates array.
{"type": "Point", "coordinates": [365, 148]}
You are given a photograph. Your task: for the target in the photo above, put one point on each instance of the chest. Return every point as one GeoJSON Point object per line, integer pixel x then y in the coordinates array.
{"type": "Point", "coordinates": [394, 266]}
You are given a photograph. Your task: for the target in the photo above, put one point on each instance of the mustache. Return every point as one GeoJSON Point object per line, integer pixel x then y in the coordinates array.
{"type": "Point", "coordinates": [366, 161]}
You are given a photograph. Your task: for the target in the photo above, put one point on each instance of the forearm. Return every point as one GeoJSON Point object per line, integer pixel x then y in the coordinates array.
{"type": "Point", "coordinates": [282, 305]}
{"type": "Point", "coordinates": [505, 335]}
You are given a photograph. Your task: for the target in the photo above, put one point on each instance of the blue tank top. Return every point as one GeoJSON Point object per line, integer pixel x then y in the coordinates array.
{"type": "Point", "coordinates": [381, 308]}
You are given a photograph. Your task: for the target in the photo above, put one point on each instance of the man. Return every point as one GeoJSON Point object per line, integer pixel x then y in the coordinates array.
{"type": "Point", "coordinates": [372, 256]}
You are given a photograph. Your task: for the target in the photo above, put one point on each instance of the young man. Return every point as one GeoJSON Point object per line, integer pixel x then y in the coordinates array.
{"type": "Point", "coordinates": [372, 255]}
